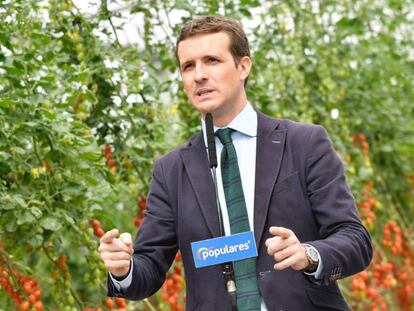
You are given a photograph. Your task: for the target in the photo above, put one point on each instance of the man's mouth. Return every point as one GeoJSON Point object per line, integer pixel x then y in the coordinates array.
{"type": "Point", "coordinates": [204, 91]}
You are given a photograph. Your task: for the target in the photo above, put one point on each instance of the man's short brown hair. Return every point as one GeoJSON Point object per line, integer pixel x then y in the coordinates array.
{"type": "Point", "coordinates": [239, 45]}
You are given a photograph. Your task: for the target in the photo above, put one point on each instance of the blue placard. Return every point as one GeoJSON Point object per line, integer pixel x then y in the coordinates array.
{"type": "Point", "coordinates": [224, 249]}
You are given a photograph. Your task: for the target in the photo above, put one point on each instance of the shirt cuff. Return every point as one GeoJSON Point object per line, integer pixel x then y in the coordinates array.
{"type": "Point", "coordinates": [124, 283]}
{"type": "Point", "coordinates": [317, 274]}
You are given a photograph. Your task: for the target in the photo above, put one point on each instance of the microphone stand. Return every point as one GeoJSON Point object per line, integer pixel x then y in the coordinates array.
{"type": "Point", "coordinates": [227, 267]}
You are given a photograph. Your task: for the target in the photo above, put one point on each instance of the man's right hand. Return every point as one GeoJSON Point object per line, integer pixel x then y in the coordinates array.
{"type": "Point", "coordinates": [116, 252]}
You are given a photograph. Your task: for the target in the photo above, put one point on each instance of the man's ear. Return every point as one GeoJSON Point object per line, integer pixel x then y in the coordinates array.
{"type": "Point", "coordinates": [245, 64]}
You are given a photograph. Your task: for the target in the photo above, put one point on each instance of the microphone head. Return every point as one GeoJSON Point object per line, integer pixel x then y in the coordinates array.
{"type": "Point", "coordinates": [211, 143]}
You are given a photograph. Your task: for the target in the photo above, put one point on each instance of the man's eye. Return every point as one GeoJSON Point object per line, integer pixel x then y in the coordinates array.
{"type": "Point", "coordinates": [186, 67]}
{"type": "Point", "coordinates": [212, 60]}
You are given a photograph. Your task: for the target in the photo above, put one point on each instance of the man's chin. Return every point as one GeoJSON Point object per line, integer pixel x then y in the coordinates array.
{"type": "Point", "coordinates": [206, 107]}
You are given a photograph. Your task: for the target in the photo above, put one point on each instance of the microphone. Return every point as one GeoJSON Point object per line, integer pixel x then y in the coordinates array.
{"type": "Point", "coordinates": [227, 267]}
{"type": "Point", "coordinates": [211, 143]}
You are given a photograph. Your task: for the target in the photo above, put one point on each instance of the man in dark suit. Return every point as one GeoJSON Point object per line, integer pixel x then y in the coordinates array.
{"type": "Point", "coordinates": [296, 200]}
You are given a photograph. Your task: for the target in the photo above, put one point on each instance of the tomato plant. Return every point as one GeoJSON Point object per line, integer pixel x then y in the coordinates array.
{"type": "Point", "coordinates": [84, 113]}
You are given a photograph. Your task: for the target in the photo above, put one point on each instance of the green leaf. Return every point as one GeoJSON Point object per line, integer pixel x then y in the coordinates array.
{"type": "Point", "coordinates": [83, 77]}
{"type": "Point", "coordinates": [92, 156]}
{"type": "Point", "coordinates": [20, 201]}
{"type": "Point", "coordinates": [90, 96]}
{"type": "Point", "coordinates": [47, 81]}
{"type": "Point", "coordinates": [30, 124]}
{"type": "Point", "coordinates": [36, 241]}
{"type": "Point", "coordinates": [245, 12]}
{"type": "Point", "coordinates": [11, 226]}
{"type": "Point", "coordinates": [7, 206]}
{"type": "Point", "coordinates": [63, 106]}
{"type": "Point", "coordinates": [49, 114]}
{"type": "Point", "coordinates": [4, 155]}
{"type": "Point", "coordinates": [18, 150]}
{"type": "Point", "coordinates": [60, 128]}
{"type": "Point", "coordinates": [42, 38]}
{"type": "Point", "coordinates": [4, 169]}
{"type": "Point", "coordinates": [96, 207]}
{"type": "Point", "coordinates": [92, 181]}
{"type": "Point", "coordinates": [7, 102]}
{"type": "Point", "coordinates": [36, 212]}
{"type": "Point", "coordinates": [387, 148]}
{"type": "Point", "coordinates": [138, 8]}
{"type": "Point", "coordinates": [183, 5]}
{"type": "Point", "coordinates": [9, 221]}
{"type": "Point", "coordinates": [50, 223]}
{"type": "Point", "coordinates": [27, 217]}
{"type": "Point", "coordinates": [68, 218]}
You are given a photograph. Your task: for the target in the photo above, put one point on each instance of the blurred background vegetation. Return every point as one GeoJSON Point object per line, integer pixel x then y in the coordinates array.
{"type": "Point", "coordinates": [90, 95]}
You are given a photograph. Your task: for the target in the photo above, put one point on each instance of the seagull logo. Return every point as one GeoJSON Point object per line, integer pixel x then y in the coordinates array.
{"type": "Point", "coordinates": [202, 249]}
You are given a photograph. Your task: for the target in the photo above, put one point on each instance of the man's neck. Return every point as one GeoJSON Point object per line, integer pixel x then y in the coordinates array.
{"type": "Point", "coordinates": [223, 118]}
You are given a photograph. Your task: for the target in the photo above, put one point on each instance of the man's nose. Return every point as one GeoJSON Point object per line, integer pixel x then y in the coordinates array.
{"type": "Point", "coordinates": [200, 73]}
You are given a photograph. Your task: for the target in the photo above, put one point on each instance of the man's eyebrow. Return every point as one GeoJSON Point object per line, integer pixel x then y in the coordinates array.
{"type": "Point", "coordinates": [186, 63]}
{"type": "Point", "coordinates": [212, 56]}
{"type": "Point", "coordinates": [191, 61]}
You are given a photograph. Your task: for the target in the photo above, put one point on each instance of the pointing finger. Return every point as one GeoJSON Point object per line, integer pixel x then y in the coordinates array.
{"type": "Point", "coordinates": [109, 236]}
{"type": "Point", "coordinates": [284, 233]}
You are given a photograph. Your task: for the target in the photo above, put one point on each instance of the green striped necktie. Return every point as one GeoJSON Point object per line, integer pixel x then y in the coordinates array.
{"type": "Point", "coordinates": [248, 295]}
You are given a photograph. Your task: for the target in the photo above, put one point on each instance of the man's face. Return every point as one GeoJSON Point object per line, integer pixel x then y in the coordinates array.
{"type": "Point", "coordinates": [212, 81]}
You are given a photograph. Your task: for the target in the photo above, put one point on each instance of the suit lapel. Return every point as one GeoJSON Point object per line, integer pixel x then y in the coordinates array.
{"type": "Point", "coordinates": [197, 167]}
{"type": "Point", "coordinates": [269, 153]}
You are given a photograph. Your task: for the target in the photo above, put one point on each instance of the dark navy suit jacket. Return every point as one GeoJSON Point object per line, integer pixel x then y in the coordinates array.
{"type": "Point", "coordinates": [300, 185]}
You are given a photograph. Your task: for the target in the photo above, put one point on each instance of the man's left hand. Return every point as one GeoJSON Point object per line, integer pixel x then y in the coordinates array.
{"type": "Point", "coordinates": [286, 249]}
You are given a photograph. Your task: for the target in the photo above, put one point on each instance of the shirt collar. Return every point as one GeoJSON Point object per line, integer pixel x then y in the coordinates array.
{"type": "Point", "coordinates": [245, 122]}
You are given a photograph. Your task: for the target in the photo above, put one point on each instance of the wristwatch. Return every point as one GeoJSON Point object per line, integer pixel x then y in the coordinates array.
{"type": "Point", "coordinates": [312, 256]}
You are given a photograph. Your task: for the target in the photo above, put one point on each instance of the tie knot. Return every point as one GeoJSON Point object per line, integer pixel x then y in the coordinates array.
{"type": "Point", "coordinates": [225, 135]}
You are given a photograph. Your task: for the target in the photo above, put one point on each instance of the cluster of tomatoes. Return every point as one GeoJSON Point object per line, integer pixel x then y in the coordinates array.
{"type": "Point", "coordinates": [367, 204]}
{"type": "Point", "coordinates": [359, 284]}
{"type": "Point", "coordinates": [384, 274]}
{"type": "Point", "coordinates": [363, 289]}
{"type": "Point", "coordinates": [397, 274]}
{"type": "Point", "coordinates": [97, 228]}
{"type": "Point", "coordinates": [393, 238]}
{"type": "Point", "coordinates": [29, 294]}
{"type": "Point", "coordinates": [118, 304]}
{"type": "Point", "coordinates": [360, 141]}
{"type": "Point", "coordinates": [110, 162]}
{"type": "Point", "coordinates": [141, 205]}
{"type": "Point", "coordinates": [405, 289]}
{"type": "Point", "coordinates": [173, 287]}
